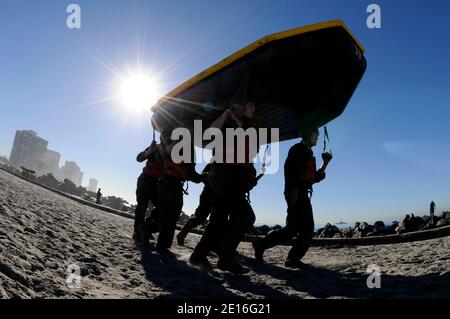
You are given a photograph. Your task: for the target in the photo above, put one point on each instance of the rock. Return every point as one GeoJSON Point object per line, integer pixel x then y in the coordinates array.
{"type": "Point", "coordinates": [319, 231]}
{"type": "Point", "coordinates": [410, 224]}
{"type": "Point", "coordinates": [347, 233]}
{"type": "Point", "coordinates": [329, 231]}
{"type": "Point", "coordinates": [443, 222]}
{"type": "Point", "coordinates": [362, 230]}
{"type": "Point", "coordinates": [263, 230]}
{"type": "Point", "coordinates": [357, 234]}
{"type": "Point", "coordinates": [416, 223]}
{"type": "Point", "coordinates": [427, 226]}
{"type": "Point", "coordinates": [379, 227]}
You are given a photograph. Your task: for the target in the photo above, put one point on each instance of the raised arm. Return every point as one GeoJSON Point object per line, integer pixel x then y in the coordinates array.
{"type": "Point", "coordinates": [142, 156]}
{"type": "Point", "coordinates": [220, 121]}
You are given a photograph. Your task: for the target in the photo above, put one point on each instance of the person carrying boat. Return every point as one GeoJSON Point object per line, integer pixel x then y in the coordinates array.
{"type": "Point", "coordinates": [202, 212]}
{"type": "Point", "coordinates": [230, 181]}
{"type": "Point", "coordinates": [146, 191]}
{"type": "Point", "coordinates": [170, 190]}
{"type": "Point", "coordinates": [300, 174]}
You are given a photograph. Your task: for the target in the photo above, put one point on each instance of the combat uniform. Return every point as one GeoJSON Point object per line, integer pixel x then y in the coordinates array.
{"type": "Point", "coordinates": [232, 215]}
{"type": "Point", "coordinates": [300, 174]}
{"type": "Point", "coordinates": [170, 196]}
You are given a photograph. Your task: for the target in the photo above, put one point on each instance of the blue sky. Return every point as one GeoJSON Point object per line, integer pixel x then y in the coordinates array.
{"type": "Point", "coordinates": [391, 145]}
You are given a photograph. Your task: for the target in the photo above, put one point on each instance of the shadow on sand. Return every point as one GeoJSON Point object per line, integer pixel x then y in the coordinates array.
{"type": "Point", "coordinates": [181, 280]}
{"type": "Point", "coordinates": [184, 281]}
{"type": "Point", "coordinates": [325, 283]}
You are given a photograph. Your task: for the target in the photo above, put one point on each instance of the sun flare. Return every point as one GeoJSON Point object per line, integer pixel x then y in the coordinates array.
{"type": "Point", "coordinates": [139, 92]}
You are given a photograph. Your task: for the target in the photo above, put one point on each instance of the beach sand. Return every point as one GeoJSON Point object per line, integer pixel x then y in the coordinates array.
{"type": "Point", "coordinates": [41, 233]}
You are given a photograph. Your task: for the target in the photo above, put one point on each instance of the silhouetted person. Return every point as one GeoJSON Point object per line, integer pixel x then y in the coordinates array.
{"type": "Point", "coordinates": [201, 213]}
{"type": "Point", "coordinates": [300, 174]}
{"type": "Point", "coordinates": [232, 215]}
{"type": "Point", "coordinates": [170, 190]}
{"type": "Point", "coordinates": [99, 196]}
{"type": "Point", "coordinates": [432, 208]}
{"type": "Point", "coordinates": [146, 191]}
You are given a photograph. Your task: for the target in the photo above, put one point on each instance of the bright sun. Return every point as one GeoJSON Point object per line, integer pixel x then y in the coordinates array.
{"type": "Point", "coordinates": [139, 92]}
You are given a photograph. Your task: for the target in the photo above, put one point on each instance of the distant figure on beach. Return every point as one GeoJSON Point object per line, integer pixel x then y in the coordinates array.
{"type": "Point", "coordinates": [432, 208]}
{"type": "Point", "coordinates": [300, 174]}
{"type": "Point", "coordinates": [99, 196]}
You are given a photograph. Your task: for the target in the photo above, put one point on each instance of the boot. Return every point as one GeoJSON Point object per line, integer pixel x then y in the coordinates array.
{"type": "Point", "coordinates": [199, 261]}
{"type": "Point", "coordinates": [259, 251]}
{"type": "Point", "coordinates": [232, 266]}
{"type": "Point", "coordinates": [140, 236]}
{"type": "Point", "coordinates": [295, 264]}
{"type": "Point", "coordinates": [185, 231]}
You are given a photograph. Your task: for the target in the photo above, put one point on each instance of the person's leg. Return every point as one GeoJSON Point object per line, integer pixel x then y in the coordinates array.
{"type": "Point", "coordinates": [240, 221]}
{"type": "Point", "coordinates": [153, 220]}
{"type": "Point", "coordinates": [201, 214]}
{"type": "Point", "coordinates": [205, 205]}
{"type": "Point", "coordinates": [175, 212]}
{"type": "Point", "coordinates": [279, 236]}
{"type": "Point", "coordinates": [211, 236]}
{"type": "Point", "coordinates": [170, 192]}
{"type": "Point", "coordinates": [219, 216]}
{"type": "Point", "coordinates": [142, 198]}
{"type": "Point", "coordinates": [305, 230]}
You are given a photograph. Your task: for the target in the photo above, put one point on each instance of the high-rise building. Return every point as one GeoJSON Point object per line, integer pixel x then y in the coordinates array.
{"type": "Point", "coordinates": [72, 172]}
{"type": "Point", "coordinates": [28, 149]}
{"type": "Point", "coordinates": [93, 184]}
{"type": "Point", "coordinates": [49, 163]}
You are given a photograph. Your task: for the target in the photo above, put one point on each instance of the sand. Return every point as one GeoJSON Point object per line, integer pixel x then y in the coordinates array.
{"type": "Point", "coordinates": [42, 233]}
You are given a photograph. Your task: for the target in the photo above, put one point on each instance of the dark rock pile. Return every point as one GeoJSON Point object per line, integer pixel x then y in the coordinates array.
{"type": "Point", "coordinates": [410, 223]}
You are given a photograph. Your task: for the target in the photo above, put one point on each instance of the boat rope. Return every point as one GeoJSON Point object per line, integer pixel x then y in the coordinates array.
{"type": "Point", "coordinates": [326, 138]}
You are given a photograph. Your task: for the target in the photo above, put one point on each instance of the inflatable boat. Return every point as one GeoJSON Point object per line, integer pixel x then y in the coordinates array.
{"type": "Point", "coordinates": [297, 78]}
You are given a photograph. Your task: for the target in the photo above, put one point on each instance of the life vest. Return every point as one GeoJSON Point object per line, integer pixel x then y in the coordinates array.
{"type": "Point", "coordinates": [180, 170]}
{"type": "Point", "coordinates": [308, 171]}
{"type": "Point", "coordinates": [154, 168]}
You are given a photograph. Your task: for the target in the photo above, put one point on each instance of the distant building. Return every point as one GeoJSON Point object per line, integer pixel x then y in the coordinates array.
{"type": "Point", "coordinates": [93, 184]}
{"type": "Point", "coordinates": [28, 150]}
{"type": "Point", "coordinates": [72, 172]}
{"type": "Point", "coordinates": [49, 163]}
{"type": "Point", "coordinates": [4, 161]}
